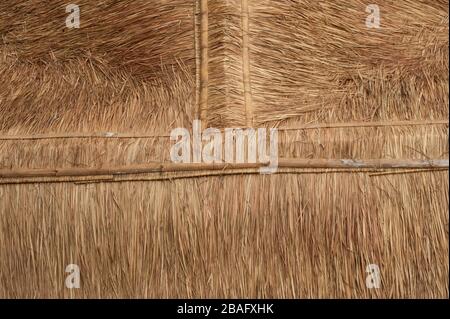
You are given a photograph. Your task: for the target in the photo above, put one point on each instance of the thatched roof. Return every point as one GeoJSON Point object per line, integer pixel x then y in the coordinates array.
{"type": "Point", "coordinates": [85, 170]}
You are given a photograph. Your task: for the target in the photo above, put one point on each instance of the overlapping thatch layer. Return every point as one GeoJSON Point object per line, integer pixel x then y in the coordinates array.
{"type": "Point", "coordinates": [309, 235]}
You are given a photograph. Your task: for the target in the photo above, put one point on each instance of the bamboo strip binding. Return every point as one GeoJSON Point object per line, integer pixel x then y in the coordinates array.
{"type": "Point", "coordinates": [117, 135]}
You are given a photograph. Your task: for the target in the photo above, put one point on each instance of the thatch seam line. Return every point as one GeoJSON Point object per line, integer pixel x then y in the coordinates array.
{"type": "Point", "coordinates": [116, 135]}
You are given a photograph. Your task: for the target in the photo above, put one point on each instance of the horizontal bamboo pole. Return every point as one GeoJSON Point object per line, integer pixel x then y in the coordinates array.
{"type": "Point", "coordinates": [101, 135]}
{"type": "Point", "coordinates": [56, 180]}
{"type": "Point", "coordinates": [371, 171]}
{"type": "Point", "coordinates": [125, 170]}
{"type": "Point", "coordinates": [85, 180]}
{"type": "Point", "coordinates": [367, 124]}
{"type": "Point", "coordinates": [116, 135]}
{"type": "Point", "coordinates": [367, 163]}
{"type": "Point", "coordinates": [172, 167]}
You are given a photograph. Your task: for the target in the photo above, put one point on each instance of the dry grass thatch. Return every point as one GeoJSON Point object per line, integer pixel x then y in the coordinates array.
{"type": "Point", "coordinates": [104, 98]}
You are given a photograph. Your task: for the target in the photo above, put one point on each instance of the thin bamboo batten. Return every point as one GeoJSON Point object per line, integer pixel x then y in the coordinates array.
{"type": "Point", "coordinates": [117, 135]}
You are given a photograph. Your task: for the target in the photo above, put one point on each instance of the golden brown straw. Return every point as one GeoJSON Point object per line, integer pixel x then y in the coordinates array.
{"type": "Point", "coordinates": [86, 176]}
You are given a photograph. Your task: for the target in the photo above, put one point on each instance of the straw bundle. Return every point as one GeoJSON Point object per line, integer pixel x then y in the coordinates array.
{"type": "Point", "coordinates": [85, 171]}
